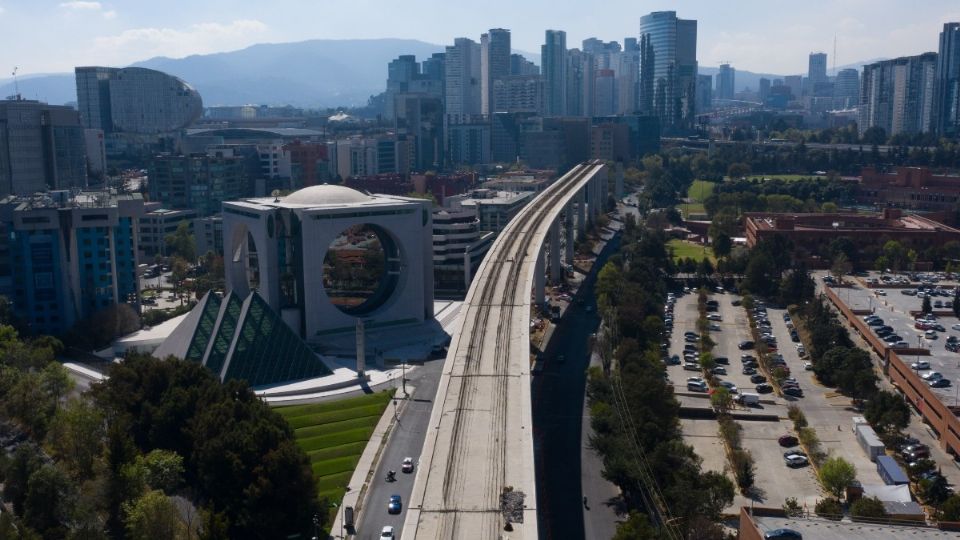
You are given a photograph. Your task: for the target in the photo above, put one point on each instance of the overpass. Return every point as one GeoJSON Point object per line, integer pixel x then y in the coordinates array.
{"type": "Point", "coordinates": [476, 471]}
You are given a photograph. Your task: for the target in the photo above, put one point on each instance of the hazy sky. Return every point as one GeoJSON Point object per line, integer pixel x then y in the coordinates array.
{"type": "Point", "coordinates": [762, 36]}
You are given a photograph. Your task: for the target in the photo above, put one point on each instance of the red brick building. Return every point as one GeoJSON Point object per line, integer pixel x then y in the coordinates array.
{"type": "Point", "coordinates": [914, 188]}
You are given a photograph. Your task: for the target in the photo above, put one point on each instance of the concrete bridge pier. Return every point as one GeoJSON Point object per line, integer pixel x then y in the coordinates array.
{"type": "Point", "coordinates": [581, 211]}
{"type": "Point", "coordinates": [556, 271]}
{"type": "Point", "coordinates": [568, 215]}
{"type": "Point", "coordinates": [539, 280]}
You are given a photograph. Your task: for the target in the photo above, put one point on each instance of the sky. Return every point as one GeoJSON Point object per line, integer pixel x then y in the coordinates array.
{"type": "Point", "coordinates": [769, 36]}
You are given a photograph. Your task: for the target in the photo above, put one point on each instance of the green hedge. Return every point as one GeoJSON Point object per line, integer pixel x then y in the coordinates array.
{"type": "Point", "coordinates": [337, 427]}
{"type": "Point", "coordinates": [335, 439]}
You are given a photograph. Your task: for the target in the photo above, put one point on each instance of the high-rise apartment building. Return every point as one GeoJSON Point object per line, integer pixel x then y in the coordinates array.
{"type": "Point", "coordinates": [518, 93]}
{"type": "Point", "coordinates": [462, 80]}
{"type": "Point", "coordinates": [816, 71]}
{"type": "Point", "coordinates": [521, 66]}
{"type": "Point", "coordinates": [898, 95]}
{"type": "Point", "coordinates": [494, 64]}
{"type": "Point", "coordinates": [400, 72]}
{"type": "Point", "coordinates": [726, 82]}
{"type": "Point", "coordinates": [68, 256]}
{"type": "Point", "coordinates": [201, 181]}
{"type": "Point", "coordinates": [846, 89]}
{"type": "Point", "coordinates": [41, 147]}
{"type": "Point", "coordinates": [763, 89]}
{"type": "Point", "coordinates": [135, 100]}
{"type": "Point", "coordinates": [795, 84]}
{"type": "Point", "coordinates": [704, 92]}
{"type": "Point", "coordinates": [946, 99]}
{"type": "Point", "coordinates": [605, 102]}
{"type": "Point", "coordinates": [553, 57]}
{"type": "Point", "coordinates": [581, 83]}
{"type": "Point", "coordinates": [668, 51]}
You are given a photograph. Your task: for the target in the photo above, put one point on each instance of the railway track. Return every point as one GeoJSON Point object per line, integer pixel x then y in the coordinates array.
{"type": "Point", "coordinates": [463, 473]}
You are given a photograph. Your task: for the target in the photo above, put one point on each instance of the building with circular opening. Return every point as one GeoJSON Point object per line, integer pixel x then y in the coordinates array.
{"type": "Point", "coordinates": [327, 255]}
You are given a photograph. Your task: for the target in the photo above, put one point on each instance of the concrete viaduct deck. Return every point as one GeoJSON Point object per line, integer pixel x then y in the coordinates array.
{"type": "Point", "coordinates": [479, 442]}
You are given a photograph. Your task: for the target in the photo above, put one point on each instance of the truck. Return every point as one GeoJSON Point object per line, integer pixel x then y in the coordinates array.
{"type": "Point", "coordinates": [890, 471]}
{"type": "Point", "coordinates": [748, 400]}
{"type": "Point", "coordinates": [869, 441]}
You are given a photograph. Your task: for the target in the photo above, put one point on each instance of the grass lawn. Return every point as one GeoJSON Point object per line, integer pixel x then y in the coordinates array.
{"type": "Point", "coordinates": [334, 434]}
{"type": "Point", "coordinates": [683, 249]}
{"type": "Point", "coordinates": [691, 209]}
{"type": "Point", "coordinates": [700, 190]}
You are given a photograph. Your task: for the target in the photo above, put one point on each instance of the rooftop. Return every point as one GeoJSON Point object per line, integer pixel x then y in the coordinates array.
{"type": "Point", "coordinates": [825, 529]}
{"type": "Point", "coordinates": [324, 196]}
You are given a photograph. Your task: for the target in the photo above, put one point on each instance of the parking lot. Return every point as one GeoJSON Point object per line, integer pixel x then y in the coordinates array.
{"type": "Point", "coordinates": [774, 480]}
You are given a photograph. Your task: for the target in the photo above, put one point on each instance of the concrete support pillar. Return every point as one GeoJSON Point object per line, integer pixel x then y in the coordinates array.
{"type": "Point", "coordinates": [581, 211]}
{"type": "Point", "coordinates": [556, 271]}
{"type": "Point", "coordinates": [568, 213]}
{"type": "Point", "coordinates": [618, 187]}
{"type": "Point", "coordinates": [539, 280]}
{"type": "Point", "coordinates": [592, 200]}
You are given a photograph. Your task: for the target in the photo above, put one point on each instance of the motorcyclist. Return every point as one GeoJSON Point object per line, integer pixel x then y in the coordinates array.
{"type": "Point", "coordinates": [391, 475]}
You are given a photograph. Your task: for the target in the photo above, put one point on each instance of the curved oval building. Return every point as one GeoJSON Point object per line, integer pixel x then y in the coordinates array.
{"type": "Point", "coordinates": [135, 100]}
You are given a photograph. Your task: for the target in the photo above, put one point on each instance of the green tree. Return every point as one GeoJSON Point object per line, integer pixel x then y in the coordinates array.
{"type": "Point", "coordinates": [181, 243]}
{"type": "Point", "coordinates": [721, 400]}
{"type": "Point", "coordinates": [950, 509]}
{"type": "Point", "coordinates": [25, 461]}
{"type": "Point", "coordinates": [874, 135]}
{"type": "Point", "coordinates": [162, 469]}
{"type": "Point", "coordinates": [635, 527]}
{"type": "Point", "coordinates": [836, 474]}
{"type": "Point", "coordinates": [49, 503]}
{"type": "Point", "coordinates": [719, 493]}
{"type": "Point", "coordinates": [722, 245]}
{"type": "Point", "coordinates": [925, 306]}
{"type": "Point", "coordinates": [738, 170]}
{"type": "Point", "coordinates": [153, 516]}
{"type": "Point", "coordinates": [841, 266]}
{"type": "Point", "coordinates": [887, 412]}
{"type": "Point", "coordinates": [76, 436]}
{"type": "Point", "coordinates": [868, 507]}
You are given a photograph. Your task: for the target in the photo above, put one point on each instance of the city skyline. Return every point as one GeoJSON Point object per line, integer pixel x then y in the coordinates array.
{"type": "Point", "coordinates": [119, 33]}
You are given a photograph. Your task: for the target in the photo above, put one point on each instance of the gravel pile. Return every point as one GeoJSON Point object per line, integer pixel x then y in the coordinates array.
{"type": "Point", "coordinates": [511, 505]}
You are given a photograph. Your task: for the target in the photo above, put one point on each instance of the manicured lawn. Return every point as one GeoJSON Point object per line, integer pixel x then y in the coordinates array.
{"type": "Point", "coordinates": [700, 190]}
{"type": "Point", "coordinates": [683, 250]}
{"type": "Point", "coordinates": [334, 434]}
{"type": "Point", "coordinates": [689, 209]}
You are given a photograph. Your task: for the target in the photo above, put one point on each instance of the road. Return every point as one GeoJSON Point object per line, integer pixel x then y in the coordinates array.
{"type": "Point", "coordinates": [406, 440]}
{"type": "Point", "coordinates": [559, 415]}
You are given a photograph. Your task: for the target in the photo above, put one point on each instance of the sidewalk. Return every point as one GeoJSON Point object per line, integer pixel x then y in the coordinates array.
{"type": "Point", "coordinates": [599, 515]}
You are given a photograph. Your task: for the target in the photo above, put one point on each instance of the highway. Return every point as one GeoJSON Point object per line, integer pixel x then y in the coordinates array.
{"type": "Point", "coordinates": [476, 477]}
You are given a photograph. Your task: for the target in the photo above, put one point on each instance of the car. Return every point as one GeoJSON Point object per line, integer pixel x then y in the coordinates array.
{"type": "Point", "coordinates": [920, 364]}
{"type": "Point", "coordinates": [697, 386]}
{"type": "Point", "coordinates": [695, 379]}
{"type": "Point", "coordinates": [932, 376]}
{"type": "Point", "coordinates": [955, 326]}
{"type": "Point", "coordinates": [407, 465]}
{"type": "Point", "coordinates": [939, 383]}
{"type": "Point", "coordinates": [801, 350]}
{"type": "Point", "coordinates": [395, 505]}
{"type": "Point", "coordinates": [788, 440]}
{"type": "Point", "coordinates": [691, 366]}
{"type": "Point", "coordinates": [735, 303]}
{"type": "Point", "coordinates": [901, 345]}
{"type": "Point", "coordinates": [789, 453]}
{"type": "Point", "coordinates": [729, 386]}
{"type": "Point", "coordinates": [715, 327]}
{"type": "Point", "coordinates": [673, 360]}
{"type": "Point", "coordinates": [690, 339]}
{"type": "Point", "coordinates": [938, 304]}
{"type": "Point", "coordinates": [880, 292]}
{"type": "Point", "coordinates": [745, 345]}
{"type": "Point", "coordinates": [939, 328]}
{"type": "Point", "coordinates": [750, 364]}
{"type": "Point", "coordinates": [714, 317]}
{"type": "Point", "coordinates": [808, 366]}
{"type": "Point", "coordinates": [386, 532]}
{"type": "Point", "coordinates": [719, 370]}
{"type": "Point", "coordinates": [690, 347]}
{"type": "Point", "coordinates": [747, 358]}
{"type": "Point", "coordinates": [930, 334]}
{"type": "Point", "coordinates": [908, 292]}
{"type": "Point", "coordinates": [795, 460]}
{"type": "Point", "coordinates": [758, 378]}
{"type": "Point", "coordinates": [782, 534]}
{"type": "Point", "coordinates": [793, 391]}
{"type": "Point", "coordinates": [722, 360]}
{"type": "Point", "coordinates": [747, 370]}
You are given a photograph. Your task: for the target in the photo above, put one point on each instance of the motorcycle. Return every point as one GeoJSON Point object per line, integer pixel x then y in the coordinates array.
{"type": "Point", "coordinates": [391, 476]}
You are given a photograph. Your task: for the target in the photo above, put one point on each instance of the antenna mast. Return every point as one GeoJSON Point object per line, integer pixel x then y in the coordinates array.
{"type": "Point", "coordinates": [16, 85]}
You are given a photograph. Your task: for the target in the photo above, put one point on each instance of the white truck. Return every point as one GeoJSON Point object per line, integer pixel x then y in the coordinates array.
{"type": "Point", "coordinates": [749, 400]}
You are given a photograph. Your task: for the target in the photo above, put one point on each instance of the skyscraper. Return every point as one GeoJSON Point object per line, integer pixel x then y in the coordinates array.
{"type": "Point", "coordinates": [816, 70]}
{"type": "Point", "coordinates": [41, 147]}
{"type": "Point", "coordinates": [672, 62]}
{"type": "Point", "coordinates": [462, 80]}
{"type": "Point", "coordinates": [581, 70]}
{"type": "Point", "coordinates": [795, 84]}
{"type": "Point", "coordinates": [764, 88]}
{"type": "Point", "coordinates": [494, 64]}
{"type": "Point", "coordinates": [947, 96]}
{"type": "Point", "coordinates": [553, 57]}
{"type": "Point", "coordinates": [135, 100]}
{"type": "Point", "coordinates": [846, 89]}
{"type": "Point", "coordinates": [400, 72]}
{"type": "Point", "coordinates": [897, 95]}
{"type": "Point", "coordinates": [726, 81]}
{"type": "Point", "coordinates": [704, 92]}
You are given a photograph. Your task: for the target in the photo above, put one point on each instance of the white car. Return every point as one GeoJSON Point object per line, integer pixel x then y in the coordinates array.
{"type": "Point", "coordinates": [956, 326]}
{"type": "Point", "coordinates": [714, 317]}
{"type": "Point", "coordinates": [930, 334]}
{"type": "Point", "coordinates": [407, 465]}
{"type": "Point", "coordinates": [881, 292]}
{"type": "Point", "coordinates": [386, 532]}
{"type": "Point", "coordinates": [795, 460]}
{"type": "Point", "coordinates": [808, 366]}
{"type": "Point", "coordinates": [922, 364]}
{"type": "Point", "coordinates": [932, 376]}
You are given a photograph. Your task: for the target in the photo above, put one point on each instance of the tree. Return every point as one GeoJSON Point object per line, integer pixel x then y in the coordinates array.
{"type": "Point", "coordinates": [153, 516]}
{"type": "Point", "coordinates": [956, 302]}
{"type": "Point", "coordinates": [721, 400]}
{"type": "Point", "coordinates": [26, 459]}
{"type": "Point", "coordinates": [950, 510]}
{"type": "Point", "coordinates": [722, 244]}
{"type": "Point", "coordinates": [841, 266]}
{"type": "Point", "coordinates": [162, 470]}
{"type": "Point", "coordinates": [874, 135]}
{"type": "Point", "coordinates": [49, 503]}
{"type": "Point", "coordinates": [181, 243]}
{"type": "Point", "coordinates": [925, 306]}
{"type": "Point", "coordinates": [887, 412]}
{"type": "Point", "coordinates": [636, 527]}
{"type": "Point", "coordinates": [738, 170]}
{"type": "Point", "coordinates": [76, 437]}
{"type": "Point", "coordinates": [836, 474]}
{"type": "Point", "coordinates": [868, 507]}
{"type": "Point", "coordinates": [719, 493]}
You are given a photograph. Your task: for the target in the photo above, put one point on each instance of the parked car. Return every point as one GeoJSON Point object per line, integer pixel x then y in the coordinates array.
{"type": "Point", "coordinates": [793, 391]}
{"type": "Point", "coordinates": [674, 360]}
{"type": "Point", "coordinates": [714, 317]}
{"type": "Point", "coordinates": [920, 364]}
{"type": "Point", "coordinates": [691, 366]}
{"type": "Point", "coordinates": [722, 360]}
{"type": "Point", "coordinates": [745, 345]}
{"type": "Point", "coordinates": [763, 388]}
{"type": "Point", "coordinates": [747, 357]}
{"type": "Point", "coordinates": [719, 370]}
{"type": "Point", "coordinates": [729, 386]}
{"type": "Point", "coordinates": [939, 383]}
{"type": "Point", "coordinates": [930, 335]}
{"type": "Point", "coordinates": [782, 534]}
{"type": "Point", "coordinates": [795, 460]}
{"type": "Point", "coordinates": [788, 440]}
{"type": "Point", "coordinates": [758, 378]}
{"type": "Point", "coordinates": [697, 386]}
{"type": "Point", "coordinates": [747, 370]}
{"type": "Point", "coordinates": [880, 292]}
{"type": "Point", "coordinates": [932, 376]}
{"type": "Point", "coordinates": [808, 366]}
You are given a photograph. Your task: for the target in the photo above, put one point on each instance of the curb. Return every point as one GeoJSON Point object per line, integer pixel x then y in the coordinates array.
{"type": "Point", "coordinates": [362, 475]}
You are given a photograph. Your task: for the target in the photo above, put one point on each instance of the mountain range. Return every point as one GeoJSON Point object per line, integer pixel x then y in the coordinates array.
{"type": "Point", "coordinates": [314, 73]}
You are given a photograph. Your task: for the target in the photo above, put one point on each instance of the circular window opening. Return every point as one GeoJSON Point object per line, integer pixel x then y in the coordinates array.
{"type": "Point", "coordinates": [360, 269]}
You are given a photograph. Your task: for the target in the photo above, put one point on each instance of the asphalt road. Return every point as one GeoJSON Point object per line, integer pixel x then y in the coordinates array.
{"type": "Point", "coordinates": [558, 411]}
{"type": "Point", "coordinates": [406, 440]}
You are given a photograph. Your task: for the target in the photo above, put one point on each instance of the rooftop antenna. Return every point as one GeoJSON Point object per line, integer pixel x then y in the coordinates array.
{"type": "Point", "coordinates": [16, 85]}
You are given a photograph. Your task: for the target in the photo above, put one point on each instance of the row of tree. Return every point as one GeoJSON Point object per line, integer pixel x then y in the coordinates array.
{"type": "Point", "coordinates": [631, 289]}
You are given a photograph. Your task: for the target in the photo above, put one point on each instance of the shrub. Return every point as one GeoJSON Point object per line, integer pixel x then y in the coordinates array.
{"type": "Point", "coordinates": [829, 508]}
{"type": "Point", "coordinates": [836, 474]}
{"type": "Point", "coordinates": [799, 419]}
{"type": "Point", "coordinates": [950, 510]}
{"type": "Point", "coordinates": [744, 469]}
{"type": "Point", "coordinates": [868, 507]}
{"type": "Point", "coordinates": [730, 431]}
{"type": "Point", "coordinates": [792, 508]}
